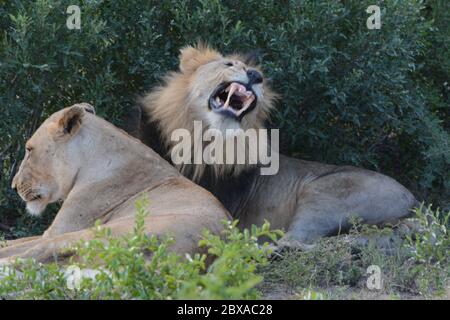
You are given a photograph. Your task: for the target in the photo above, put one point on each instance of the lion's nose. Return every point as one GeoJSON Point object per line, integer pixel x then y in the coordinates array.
{"type": "Point", "coordinates": [254, 76]}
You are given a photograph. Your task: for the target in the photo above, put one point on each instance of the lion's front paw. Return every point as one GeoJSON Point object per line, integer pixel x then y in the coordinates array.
{"type": "Point", "coordinates": [284, 246]}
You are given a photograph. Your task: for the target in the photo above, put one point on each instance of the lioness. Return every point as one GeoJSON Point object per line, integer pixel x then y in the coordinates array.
{"type": "Point", "coordinates": [99, 172]}
{"type": "Point", "coordinates": [307, 199]}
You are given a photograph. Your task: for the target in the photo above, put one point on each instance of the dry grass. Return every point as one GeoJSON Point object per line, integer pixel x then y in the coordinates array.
{"type": "Point", "coordinates": [413, 266]}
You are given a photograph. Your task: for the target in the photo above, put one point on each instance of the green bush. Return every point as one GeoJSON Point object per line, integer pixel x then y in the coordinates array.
{"type": "Point", "coordinates": [120, 269]}
{"type": "Point", "coordinates": [138, 266]}
{"type": "Point", "coordinates": [430, 250]}
{"type": "Point", "coordinates": [374, 98]}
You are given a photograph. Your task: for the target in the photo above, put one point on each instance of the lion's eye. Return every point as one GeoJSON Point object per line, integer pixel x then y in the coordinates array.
{"type": "Point", "coordinates": [229, 64]}
{"type": "Point", "coordinates": [29, 149]}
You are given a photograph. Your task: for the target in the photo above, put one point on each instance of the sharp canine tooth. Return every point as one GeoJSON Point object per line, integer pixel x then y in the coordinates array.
{"type": "Point", "coordinates": [247, 103]}
{"type": "Point", "coordinates": [233, 84]}
{"type": "Point", "coordinates": [233, 88]}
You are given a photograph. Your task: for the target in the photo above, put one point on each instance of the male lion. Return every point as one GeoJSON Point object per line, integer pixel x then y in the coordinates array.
{"type": "Point", "coordinates": [99, 172]}
{"type": "Point", "coordinates": [307, 199]}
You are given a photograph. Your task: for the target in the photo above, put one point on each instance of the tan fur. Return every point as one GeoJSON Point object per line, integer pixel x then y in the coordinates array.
{"type": "Point", "coordinates": [183, 98]}
{"type": "Point", "coordinates": [99, 172]}
{"type": "Point", "coordinates": [307, 199]}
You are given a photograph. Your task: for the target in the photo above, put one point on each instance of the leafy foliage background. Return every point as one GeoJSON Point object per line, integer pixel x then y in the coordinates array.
{"type": "Point", "coordinates": [372, 98]}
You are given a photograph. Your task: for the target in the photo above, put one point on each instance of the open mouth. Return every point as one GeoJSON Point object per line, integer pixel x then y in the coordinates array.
{"type": "Point", "coordinates": [233, 99]}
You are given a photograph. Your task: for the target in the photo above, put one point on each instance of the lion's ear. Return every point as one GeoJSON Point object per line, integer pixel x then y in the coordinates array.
{"type": "Point", "coordinates": [86, 106]}
{"type": "Point", "coordinates": [193, 57]}
{"type": "Point", "coordinates": [70, 121]}
{"type": "Point", "coordinates": [252, 58]}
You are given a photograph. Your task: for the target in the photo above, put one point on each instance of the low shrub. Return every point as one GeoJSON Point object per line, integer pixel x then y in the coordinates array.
{"type": "Point", "coordinates": [138, 266]}
{"type": "Point", "coordinates": [415, 264]}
